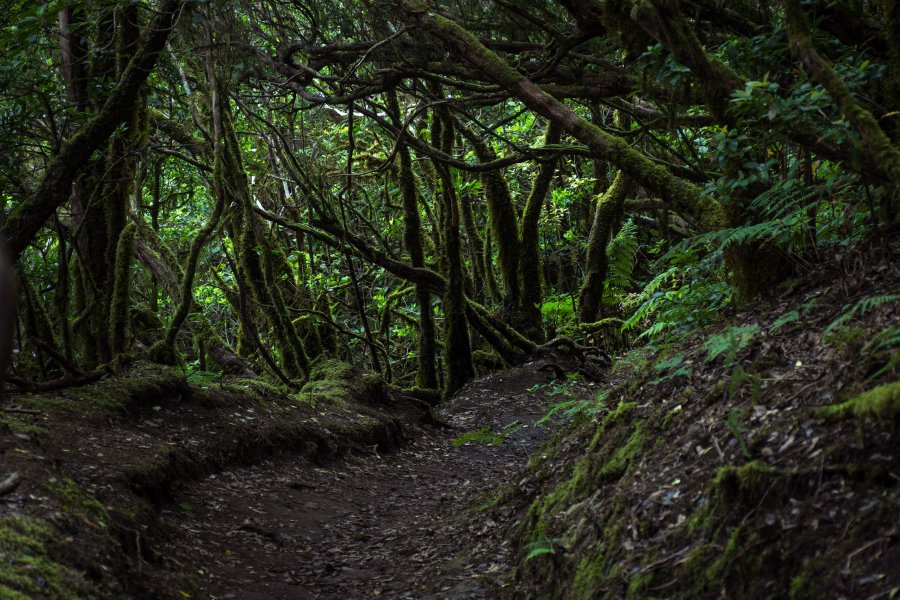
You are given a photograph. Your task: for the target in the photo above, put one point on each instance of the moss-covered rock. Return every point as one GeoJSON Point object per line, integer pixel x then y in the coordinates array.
{"type": "Point", "coordinates": [336, 383]}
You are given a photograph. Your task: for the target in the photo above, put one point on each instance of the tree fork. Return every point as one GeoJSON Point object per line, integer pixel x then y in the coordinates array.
{"type": "Point", "coordinates": [151, 251]}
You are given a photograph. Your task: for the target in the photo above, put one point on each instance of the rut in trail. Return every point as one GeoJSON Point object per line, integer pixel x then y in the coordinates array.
{"type": "Point", "coordinates": [409, 524]}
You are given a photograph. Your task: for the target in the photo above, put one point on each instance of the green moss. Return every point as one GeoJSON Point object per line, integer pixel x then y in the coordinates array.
{"type": "Point", "coordinates": [882, 403]}
{"type": "Point", "coordinates": [639, 584]}
{"type": "Point", "coordinates": [115, 395]}
{"type": "Point", "coordinates": [77, 500]}
{"type": "Point", "coordinates": [745, 485]}
{"type": "Point", "coordinates": [699, 559]}
{"type": "Point", "coordinates": [485, 435]}
{"type": "Point", "coordinates": [600, 566]}
{"type": "Point", "coordinates": [11, 594]}
{"type": "Point", "coordinates": [671, 416]}
{"type": "Point", "coordinates": [701, 521]}
{"type": "Point", "coordinates": [714, 569]}
{"type": "Point", "coordinates": [802, 588]}
{"type": "Point", "coordinates": [620, 412]}
{"type": "Point", "coordinates": [848, 341]}
{"type": "Point", "coordinates": [622, 458]}
{"type": "Point", "coordinates": [633, 363]}
{"type": "Point", "coordinates": [560, 496]}
{"type": "Point", "coordinates": [337, 383]}
{"type": "Point", "coordinates": [27, 569]}
{"type": "Point", "coordinates": [20, 426]}
{"type": "Point", "coordinates": [600, 465]}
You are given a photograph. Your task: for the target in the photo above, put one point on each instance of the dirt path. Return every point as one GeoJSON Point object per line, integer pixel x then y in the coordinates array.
{"type": "Point", "coordinates": [401, 525]}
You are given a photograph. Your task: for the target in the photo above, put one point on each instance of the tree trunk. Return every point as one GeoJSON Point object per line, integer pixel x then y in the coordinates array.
{"type": "Point", "coordinates": [530, 272]}
{"type": "Point", "coordinates": [608, 206]}
{"type": "Point", "coordinates": [426, 374]}
{"type": "Point", "coordinates": [457, 345]}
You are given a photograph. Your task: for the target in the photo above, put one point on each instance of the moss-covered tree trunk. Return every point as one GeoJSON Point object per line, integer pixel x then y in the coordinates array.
{"type": "Point", "coordinates": [504, 223]}
{"type": "Point", "coordinates": [457, 345]}
{"type": "Point", "coordinates": [120, 298]}
{"type": "Point", "coordinates": [609, 205]}
{"type": "Point", "coordinates": [255, 256]}
{"type": "Point", "coordinates": [55, 185]}
{"type": "Point", "coordinates": [530, 270]}
{"type": "Point", "coordinates": [7, 309]}
{"type": "Point", "coordinates": [426, 373]}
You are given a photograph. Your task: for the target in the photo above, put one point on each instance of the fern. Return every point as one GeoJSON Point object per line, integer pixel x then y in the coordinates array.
{"type": "Point", "coordinates": [541, 546]}
{"type": "Point", "coordinates": [672, 363]}
{"type": "Point", "coordinates": [786, 198]}
{"type": "Point", "coordinates": [648, 299]}
{"type": "Point", "coordinates": [692, 300]}
{"type": "Point", "coordinates": [620, 253]}
{"type": "Point", "coordinates": [885, 341]}
{"type": "Point", "coordinates": [572, 407]}
{"type": "Point", "coordinates": [788, 317]}
{"type": "Point", "coordinates": [734, 424]}
{"type": "Point", "coordinates": [729, 342]}
{"type": "Point", "coordinates": [778, 230]}
{"type": "Point", "coordinates": [859, 309]}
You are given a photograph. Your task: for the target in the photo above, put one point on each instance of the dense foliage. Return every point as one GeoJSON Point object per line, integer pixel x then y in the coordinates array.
{"type": "Point", "coordinates": [432, 188]}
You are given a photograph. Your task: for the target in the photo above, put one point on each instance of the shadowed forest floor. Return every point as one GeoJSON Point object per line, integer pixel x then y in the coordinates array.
{"type": "Point", "coordinates": [405, 524]}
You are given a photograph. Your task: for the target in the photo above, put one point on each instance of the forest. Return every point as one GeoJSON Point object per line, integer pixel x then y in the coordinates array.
{"type": "Point", "coordinates": [449, 299]}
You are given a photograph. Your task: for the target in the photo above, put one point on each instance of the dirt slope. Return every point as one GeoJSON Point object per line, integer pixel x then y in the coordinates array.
{"type": "Point", "coordinates": [757, 458]}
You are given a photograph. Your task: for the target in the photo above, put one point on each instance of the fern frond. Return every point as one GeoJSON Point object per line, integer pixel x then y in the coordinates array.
{"type": "Point", "coordinates": [859, 309]}
{"type": "Point", "coordinates": [788, 317]}
{"type": "Point", "coordinates": [620, 253]}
